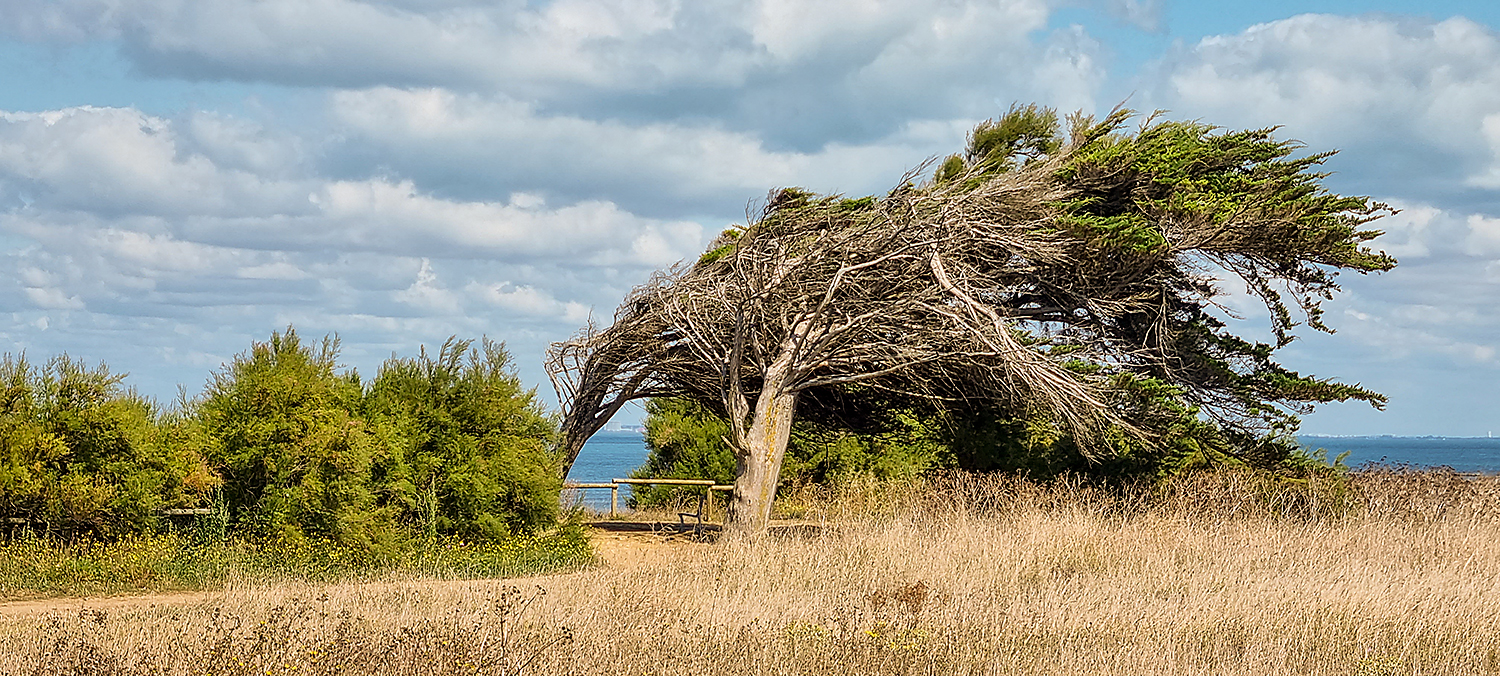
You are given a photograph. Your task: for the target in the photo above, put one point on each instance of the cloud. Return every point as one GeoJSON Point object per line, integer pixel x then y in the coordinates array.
{"type": "Point", "coordinates": [143, 186]}
{"type": "Point", "coordinates": [1422, 230]}
{"type": "Point", "coordinates": [529, 300]}
{"type": "Point", "coordinates": [427, 294]}
{"type": "Point", "coordinates": [1412, 98]}
{"type": "Point", "coordinates": [608, 44]}
{"type": "Point", "coordinates": [53, 299]}
{"type": "Point", "coordinates": [440, 136]}
{"type": "Point", "coordinates": [122, 223]}
{"type": "Point", "coordinates": [1484, 235]}
{"type": "Point", "coordinates": [797, 74]}
{"type": "Point", "coordinates": [1144, 14]}
{"type": "Point", "coordinates": [119, 161]}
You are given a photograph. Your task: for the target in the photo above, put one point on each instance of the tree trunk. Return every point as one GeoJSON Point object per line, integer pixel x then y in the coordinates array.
{"type": "Point", "coordinates": [759, 458]}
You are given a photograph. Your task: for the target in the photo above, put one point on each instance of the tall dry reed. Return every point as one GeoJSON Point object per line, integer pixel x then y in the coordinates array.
{"type": "Point", "coordinates": [1391, 573]}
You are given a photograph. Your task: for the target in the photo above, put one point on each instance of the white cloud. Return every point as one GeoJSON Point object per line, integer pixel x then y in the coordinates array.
{"type": "Point", "coordinates": [276, 270]}
{"type": "Point", "coordinates": [134, 224]}
{"type": "Point", "coordinates": [1411, 96]}
{"type": "Point", "coordinates": [1411, 333]}
{"type": "Point", "coordinates": [121, 161]}
{"type": "Point", "coordinates": [1145, 14]}
{"type": "Point", "coordinates": [1409, 232]}
{"type": "Point", "coordinates": [136, 183]}
{"type": "Point", "coordinates": [395, 217]}
{"type": "Point", "coordinates": [428, 294]}
{"type": "Point", "coordinates": [529, 300]}
{"type": "Point", "coordinates": [1484, 235]}
{"type": "Point", "coordinates": [53, 299]}
{"type": "Point", "coordinates": [436, 132]}
{"type": "Point", "coordinates": [605, 44]}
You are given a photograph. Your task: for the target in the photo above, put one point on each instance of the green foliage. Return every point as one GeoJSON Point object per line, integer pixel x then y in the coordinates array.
{"type": "Point", "coordinates": [81, 455]}
{"type": "Point", "coordinates": [285, 447]}
{"type": "Point", "coordinates": [468, 446]}
{"type": "Point", "coordinates": [685, 441]}
{"type": "Point", "coordinates": [1023, 134]}
{"type": "Point", "coordinates": [451, 445]}
{"type": "Point", "coordinates": [1238, 200]}
{"type": "Point", "coordinates": [721, 246]}
{"type": "Point", "coordinates": [905, 438]}
{"type": "Point", "coordinates": [900, 446]}
{"type": "Point", "coordinates": [293, 451]}
{"type": "Point", "coordinates": [688, 441]}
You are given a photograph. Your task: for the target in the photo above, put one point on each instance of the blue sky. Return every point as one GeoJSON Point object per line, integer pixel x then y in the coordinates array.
{"type": "Point", "coordinates": [179, 178]}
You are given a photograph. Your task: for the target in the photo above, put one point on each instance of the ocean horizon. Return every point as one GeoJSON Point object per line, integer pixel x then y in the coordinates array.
{"type": "Point", "coordinates": [615, 454]}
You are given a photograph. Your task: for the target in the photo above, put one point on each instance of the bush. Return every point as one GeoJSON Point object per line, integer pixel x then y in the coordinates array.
{"type": "Point", "coordinates": [864, 437]}
{"type": "Point", "coordinates": [687, 441]}
{"type": "Point", "coordinates": [467, 446]}
{"type": "Point", "coordinates": [290, 449]}
{"type": "Point", "coordinates": [283, 429]}
{"type": "Point", "coordinates": [79, 454]}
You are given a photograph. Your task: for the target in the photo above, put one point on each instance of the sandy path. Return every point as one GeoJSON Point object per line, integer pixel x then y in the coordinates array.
{"type": "Point", "coordinates": [15, 609]}
{"type": "Point", "coordinates": [616, 549]}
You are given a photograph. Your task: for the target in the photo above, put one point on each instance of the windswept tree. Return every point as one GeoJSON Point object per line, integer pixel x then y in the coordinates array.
{"type": "Point", "coordinates": [1074, 278]}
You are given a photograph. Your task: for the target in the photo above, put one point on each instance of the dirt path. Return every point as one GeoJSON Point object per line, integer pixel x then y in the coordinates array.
{"type": "Point", "coordinates": [14, 609]}
{"type": "Point", "coordinates": [617, 549]}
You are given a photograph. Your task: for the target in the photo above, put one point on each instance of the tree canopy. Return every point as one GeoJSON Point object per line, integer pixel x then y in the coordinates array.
{"type": "Point", "coordinates": [1073, 278]}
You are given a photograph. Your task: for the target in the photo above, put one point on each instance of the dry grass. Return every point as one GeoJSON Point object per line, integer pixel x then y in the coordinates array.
{"type": "Point", "coordinates": [1218, 575]}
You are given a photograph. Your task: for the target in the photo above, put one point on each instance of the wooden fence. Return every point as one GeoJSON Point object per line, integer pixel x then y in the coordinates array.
{"type": "Point", "coordinates": [614, 489]}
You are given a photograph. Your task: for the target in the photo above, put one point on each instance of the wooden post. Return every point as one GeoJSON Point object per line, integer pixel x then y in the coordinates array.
{"type": "Point", "coordinates": [724, 489]}
{"type": "Point", "coordinates": [614, 499]}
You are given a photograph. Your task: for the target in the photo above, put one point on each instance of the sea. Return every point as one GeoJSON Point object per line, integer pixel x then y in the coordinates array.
{"type": "Point", "coordinates": [607, 455]}
{"type": "Point", "coordinates": [615, 454]}
{"type": "Point", "coordinates": [1465, 454]}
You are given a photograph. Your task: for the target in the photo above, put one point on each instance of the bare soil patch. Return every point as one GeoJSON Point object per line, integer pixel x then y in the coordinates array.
{"type": "Point", "coordinates": [617, 545]}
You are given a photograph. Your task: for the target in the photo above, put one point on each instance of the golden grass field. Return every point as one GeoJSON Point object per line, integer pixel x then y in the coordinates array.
{"type": "Point", "coordinates": [1222, 574]}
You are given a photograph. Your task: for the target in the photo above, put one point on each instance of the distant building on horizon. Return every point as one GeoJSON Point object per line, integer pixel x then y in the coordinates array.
{"type": "Point", "coordinates": [624, 427]}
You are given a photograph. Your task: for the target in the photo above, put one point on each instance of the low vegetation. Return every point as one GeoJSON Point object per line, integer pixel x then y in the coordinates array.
{"type": "Point", "coordinates": [1388, 572]}
{"type": "Point", "coordinates": [287, 465]}
{"type": "Point", "coordinates": [33, 567]}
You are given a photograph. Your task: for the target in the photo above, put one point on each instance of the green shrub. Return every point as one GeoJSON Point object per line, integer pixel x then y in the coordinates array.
{"type": "Point", "coordinates": [468, 446]}
{"type": "Point", "coordinates": [687, 441]}
{"type": "Point", "coordinates": [290, 449]}
{"type": "Point", "coordinates": [283, 429]}
{"type": "Point", "coordinates": [865, 437]}
{"type": "Point", "coordinates": [79, 454]}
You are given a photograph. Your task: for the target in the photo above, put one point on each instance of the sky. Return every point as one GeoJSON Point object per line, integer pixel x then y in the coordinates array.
{"type": "Point", "coordinates": [179, 178]}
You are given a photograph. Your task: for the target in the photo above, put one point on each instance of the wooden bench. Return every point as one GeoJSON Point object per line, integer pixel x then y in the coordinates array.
{"type": "Point", "coordinates": [704, 504]}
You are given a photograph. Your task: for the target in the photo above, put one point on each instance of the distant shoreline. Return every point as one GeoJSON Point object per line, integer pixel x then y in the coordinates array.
{"type": "Point", "coordinates": [1386, 436]}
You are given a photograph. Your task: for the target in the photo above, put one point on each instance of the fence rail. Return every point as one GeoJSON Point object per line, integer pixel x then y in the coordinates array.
{"type": "Point", "coordinates": [614, 488]}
